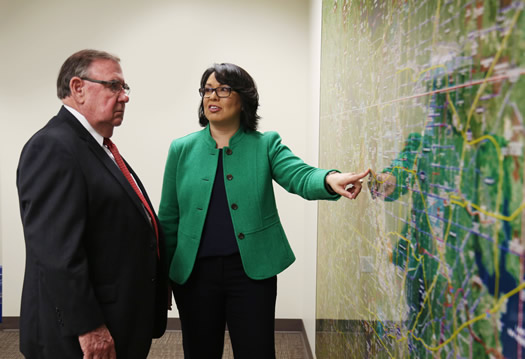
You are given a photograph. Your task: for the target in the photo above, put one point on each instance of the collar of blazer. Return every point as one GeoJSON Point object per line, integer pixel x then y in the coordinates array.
{"type": "Point", "coordinates": [236, 138]}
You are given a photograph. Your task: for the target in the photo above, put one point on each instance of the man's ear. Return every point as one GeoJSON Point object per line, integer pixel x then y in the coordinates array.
{"type": "Point", "coordinates": [78, 91]}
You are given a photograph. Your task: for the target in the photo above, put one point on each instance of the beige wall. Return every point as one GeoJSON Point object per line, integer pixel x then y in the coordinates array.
{"type": "Point", "coordinates": [165, 45]}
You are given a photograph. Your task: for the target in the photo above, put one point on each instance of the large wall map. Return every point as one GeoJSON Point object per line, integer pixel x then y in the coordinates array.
{"type": "Point", "coordinates": [429, 261]}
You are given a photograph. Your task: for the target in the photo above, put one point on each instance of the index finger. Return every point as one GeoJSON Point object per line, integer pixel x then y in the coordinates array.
{"type": "Point", "coordinates": [361, 175]}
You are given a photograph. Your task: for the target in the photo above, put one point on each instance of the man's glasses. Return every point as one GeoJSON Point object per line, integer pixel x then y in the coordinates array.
{"type": "Point", "coordinates": [222, 91]}
{"type": "Point", "coordinates": [114, 85]}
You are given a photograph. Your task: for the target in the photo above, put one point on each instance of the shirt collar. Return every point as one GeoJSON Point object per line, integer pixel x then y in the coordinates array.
{"type": "Point", "coordinates": [97, 136]}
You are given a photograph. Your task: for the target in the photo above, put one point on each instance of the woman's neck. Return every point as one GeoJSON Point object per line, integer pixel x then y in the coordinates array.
{"type": "Point", "coordinates": [222, 134]}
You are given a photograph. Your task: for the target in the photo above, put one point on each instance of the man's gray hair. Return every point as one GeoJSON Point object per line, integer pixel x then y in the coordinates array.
{"type": "Point", "coordinates": [78, 65]}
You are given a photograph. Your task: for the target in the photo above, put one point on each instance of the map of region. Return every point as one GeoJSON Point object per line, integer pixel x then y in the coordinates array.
{"type": "Point", "coordinates": [429, 260]}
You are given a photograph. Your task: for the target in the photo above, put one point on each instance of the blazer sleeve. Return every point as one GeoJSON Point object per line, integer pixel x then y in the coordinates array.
{"type": "Point", "coordinates": [53, 205]}
{"type": "Point", "coordinates": [169, 204]}
{"type": "Point", "coordinates": [293, 174]}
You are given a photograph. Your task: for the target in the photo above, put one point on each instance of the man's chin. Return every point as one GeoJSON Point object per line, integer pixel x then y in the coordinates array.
{"type": "Point", "coordinates": [117, 121]}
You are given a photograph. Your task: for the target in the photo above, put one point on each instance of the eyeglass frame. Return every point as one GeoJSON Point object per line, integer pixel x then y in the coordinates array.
{"type": "Point", "coordinates": [111, 85]}
{"type": "Point", "coordinates": [202, 91]}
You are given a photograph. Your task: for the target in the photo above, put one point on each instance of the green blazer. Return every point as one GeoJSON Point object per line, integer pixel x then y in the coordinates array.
{"type": "Point", "coordinates": [250, 162]}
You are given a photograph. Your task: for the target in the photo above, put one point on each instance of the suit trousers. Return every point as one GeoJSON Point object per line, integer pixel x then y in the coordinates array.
{"type": "Point", "coordinates": [219, 293]}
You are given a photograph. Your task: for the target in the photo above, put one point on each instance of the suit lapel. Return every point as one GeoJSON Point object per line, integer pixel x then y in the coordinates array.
{"type": "Point", "coordinates": [118, 175]}
{"type": "Point", "coordinates": [108, 163]}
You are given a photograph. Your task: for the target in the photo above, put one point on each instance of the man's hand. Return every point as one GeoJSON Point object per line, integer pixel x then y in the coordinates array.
{"type": "Point", "coordinates": [346, 184]}
{"type": "Point", "coordinates": [98, 344]}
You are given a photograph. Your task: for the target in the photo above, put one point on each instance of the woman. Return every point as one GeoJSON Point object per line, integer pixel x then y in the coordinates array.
{"type": "Point", "coordinates": [225, 242]}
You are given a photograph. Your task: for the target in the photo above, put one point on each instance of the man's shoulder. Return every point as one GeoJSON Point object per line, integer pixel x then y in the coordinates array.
{"type": "Point", "coordinates": [56, 132]}
{"type": "Point", "coordinates": [50, 130]}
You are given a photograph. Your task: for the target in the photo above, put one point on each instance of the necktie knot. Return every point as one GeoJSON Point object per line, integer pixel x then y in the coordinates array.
{"type": "Point", "coordinates": [108, 143]}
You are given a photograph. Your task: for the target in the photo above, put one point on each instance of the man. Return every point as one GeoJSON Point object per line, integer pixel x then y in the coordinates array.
{"type": "Point", "coordinates": [95, 283]}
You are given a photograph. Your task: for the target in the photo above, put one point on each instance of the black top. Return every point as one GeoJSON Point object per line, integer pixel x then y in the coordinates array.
{"type": "Point", "coordinates": [218, 236]}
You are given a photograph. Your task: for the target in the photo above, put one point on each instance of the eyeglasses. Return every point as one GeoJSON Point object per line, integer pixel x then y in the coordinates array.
{"type": "Point", "coordinates": [114, 85]}
{"type": "Point", "coordinates": [222, 91]}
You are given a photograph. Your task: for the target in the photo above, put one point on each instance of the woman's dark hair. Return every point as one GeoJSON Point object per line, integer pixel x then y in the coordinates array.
{"type": "Point", "coordinates": [242, 83]}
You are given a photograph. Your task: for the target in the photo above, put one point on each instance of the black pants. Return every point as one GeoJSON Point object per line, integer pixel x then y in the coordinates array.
{"type": "Point", "coordinates": [218, 292]}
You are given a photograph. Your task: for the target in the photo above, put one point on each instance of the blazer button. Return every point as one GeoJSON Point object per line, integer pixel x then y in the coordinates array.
{"type": "Point", "coordinates": [241, 236]}
{"type": "Point", "coordinates": [229, 151]}
{"type": "Point", "coordinates": [234, 206]}
{"type": "Point", "coordinates": [229, 177]}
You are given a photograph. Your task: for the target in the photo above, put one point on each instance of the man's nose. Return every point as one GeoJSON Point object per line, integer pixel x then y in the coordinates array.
{"type": "Point", "coordinates": [123, 97]}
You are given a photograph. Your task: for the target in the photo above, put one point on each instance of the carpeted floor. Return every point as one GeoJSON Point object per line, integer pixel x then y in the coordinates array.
{"type": "Point", "coordinates": [288, 345]}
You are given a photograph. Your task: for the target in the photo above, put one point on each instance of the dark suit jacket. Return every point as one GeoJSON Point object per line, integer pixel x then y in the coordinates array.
{"type": "Point", "coordinates": [91, 252]}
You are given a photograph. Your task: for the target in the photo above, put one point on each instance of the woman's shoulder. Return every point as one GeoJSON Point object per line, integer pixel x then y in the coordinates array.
{"type": "Point", "coordinates": [268, 139]}
{"type": "Point", "coordinates": [264, 136]}
{"type": "Point", "coordinates": [271, 134]}
{"type": "Point", "coordinates": [271, 138]}
{"type": "Point", "coordinates": [188, 139]}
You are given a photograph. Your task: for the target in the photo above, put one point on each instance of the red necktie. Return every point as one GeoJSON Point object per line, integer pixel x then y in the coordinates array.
{"type": "Point", "coordinates": [127, 174]}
